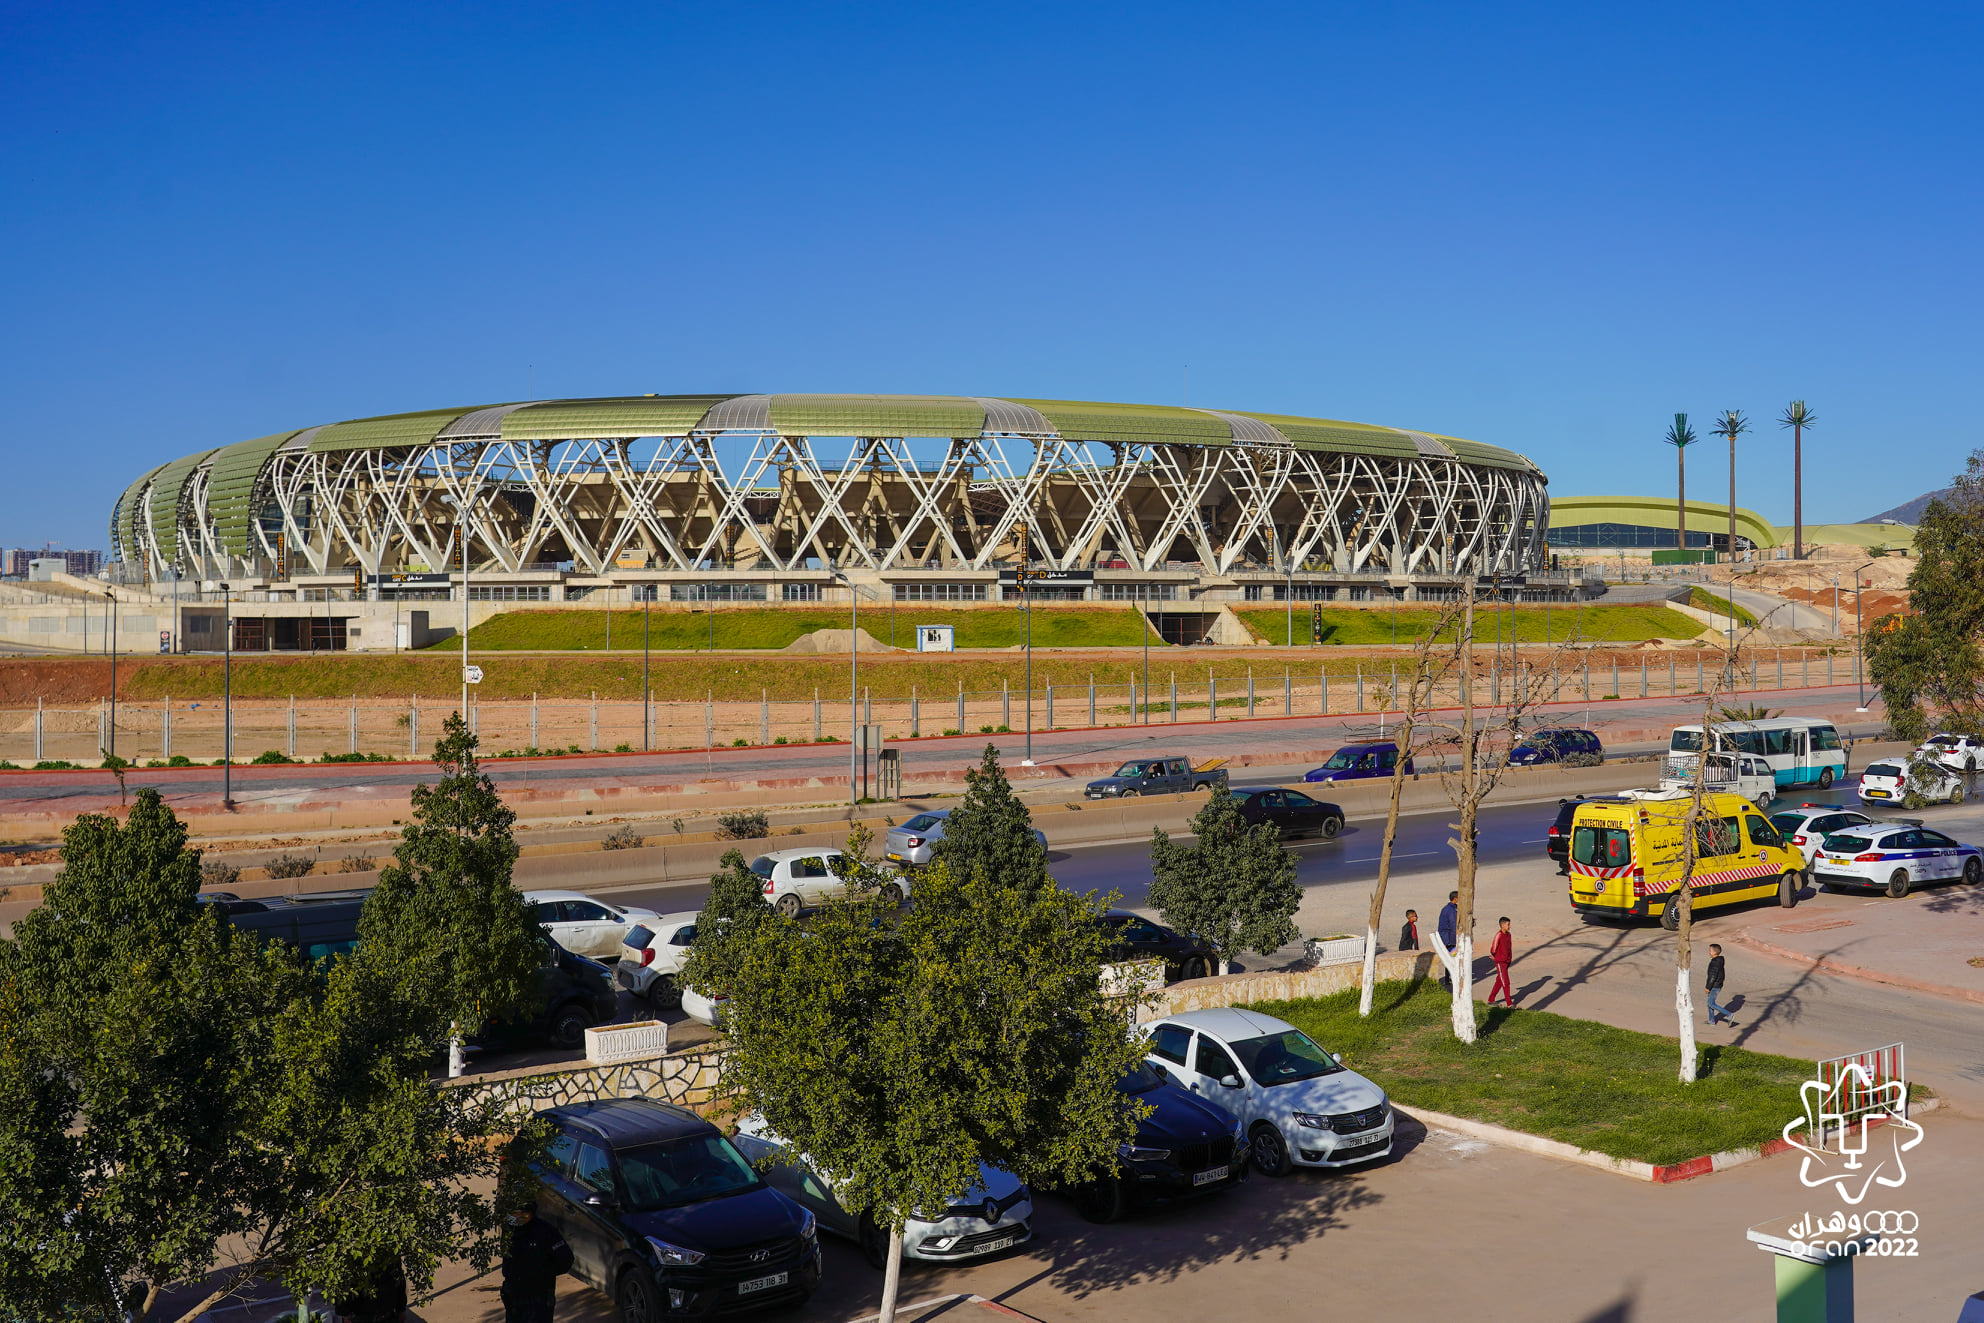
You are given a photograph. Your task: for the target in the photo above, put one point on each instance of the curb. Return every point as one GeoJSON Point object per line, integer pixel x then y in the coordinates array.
{"type": "Point", "coordinates": [1840, 967]}
{"type": "Point", "coordinates": [1004, 1311]}
{"type": "Point", "coordinates": [1639, 1171]}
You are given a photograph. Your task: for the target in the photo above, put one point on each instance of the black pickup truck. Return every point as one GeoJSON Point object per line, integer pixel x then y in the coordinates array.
{"type": "Point", "coordinates": [1158, 776]}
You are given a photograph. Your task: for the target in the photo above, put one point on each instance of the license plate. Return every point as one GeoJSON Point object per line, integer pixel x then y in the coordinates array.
{"type": "Point", "coordinates": [893, 855]}
{"type": "Point", "coordinates": [1210, 1175]}
{"type": "Point", "coordinates": [998, 1245]}
{"type": "Point", "coordinates": [762, 1283]}
{"type": "Point", "coordinates": [1877, 794]}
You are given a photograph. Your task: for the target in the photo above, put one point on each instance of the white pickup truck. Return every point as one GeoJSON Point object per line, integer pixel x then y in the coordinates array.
{"type": "Point", "coordinates": [1728, 773]}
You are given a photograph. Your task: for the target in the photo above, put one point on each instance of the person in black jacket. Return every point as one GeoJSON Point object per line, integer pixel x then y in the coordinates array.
{"type": "Point", "coordinates": [1715, 984]}
{"type": "Point", "coordinates": [534, 1254]}
{"type": "Point", "coordinates": [1408, 936]}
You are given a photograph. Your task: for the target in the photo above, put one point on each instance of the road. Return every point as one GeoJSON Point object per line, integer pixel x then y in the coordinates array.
{"type": "Point", "coordinates": [1776, 612]}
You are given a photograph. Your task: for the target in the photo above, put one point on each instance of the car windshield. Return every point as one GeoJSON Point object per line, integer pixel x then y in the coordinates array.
{"type": "Point", "coordinates": [1880, 769]}
{"type": "Point", "coordinates": [1686, 741]}
{"type": "Point", "coordinates": [1788, 822]}
{"type": "Point", "coordinates": [1130, 769]}
{"type": "Point", "coordinates": [683, 1172]}
{"type": "Point", "coordinates": [1284, 1058]}
{"type": "Point", "coordinates": [922, 822]}
{"type": "Point", "coordinates": [1841, 843]}
{"type": "Point", "coordinates": [1947, 741]}
{"type": "Point", "coordinates": [1141, 1079]}
{"type": "Point", "coordinates": [762, 865]}
{"type": "Point", "coordinates": [1341, 759]}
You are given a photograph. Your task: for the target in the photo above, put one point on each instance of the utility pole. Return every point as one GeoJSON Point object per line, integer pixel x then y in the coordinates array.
{"type": "Point", "coordinates": [1026, 612]}
{"type": "Point", "coordinates": [1859, 641]}
{"type": "Point", "coordinates": [112, 597]}
{"type": "Point", "coordinates": [647, 702]}
{"type": "Point", "coordinates": [226, 698]}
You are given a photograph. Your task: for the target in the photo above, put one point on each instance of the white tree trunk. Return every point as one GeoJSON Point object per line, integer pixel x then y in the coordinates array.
{"type": "Point", "coordinates": [1365, 997]}
{"type": "Point", "coordinates": [457, 1058]}
{"type": "Point", "coordinates": [1463, 979]}
{"type": "Point", "coordinates": [892, 1275]}
{"type": "Point", "coordinates": [1684, 1006]}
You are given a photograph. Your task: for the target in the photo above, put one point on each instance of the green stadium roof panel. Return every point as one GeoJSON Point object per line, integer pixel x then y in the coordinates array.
{"type": "Point", "coordinates": [166, 490]}
{"type": "Point", "coordinates": [591, 420]}
{"type": "Point", "coordinates": [1347, 438]}
{"type": "Point", "coordinates": [1478, 452]}
{"type": "Point", "coordinates": [385, 432]}
{"type": "Point", "coordinates": [124, 519]}
{"type": "Point", "coordinates": [1080, 420]}
{"type": "Point", "coordinates": [231, 482]}
{"type": "Point", "coordinates": [876, 415]}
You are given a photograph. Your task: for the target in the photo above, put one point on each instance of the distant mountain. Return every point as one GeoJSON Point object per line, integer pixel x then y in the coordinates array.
{"type": "Point", "coordinates": [1911, 513]}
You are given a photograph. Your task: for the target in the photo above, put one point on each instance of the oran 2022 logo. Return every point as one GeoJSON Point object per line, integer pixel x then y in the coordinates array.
{"type": "Point", "coordinates": [1873, 1131]}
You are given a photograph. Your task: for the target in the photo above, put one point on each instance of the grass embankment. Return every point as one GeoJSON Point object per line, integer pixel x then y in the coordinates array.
{"type": "Point", "coordinates": [675, 630]}
{"type": "Point", "coordinates": [1599, 1087]}
{"type": "Point", "coordinates": [1526, 624]}
{"type": "Point", "coordinates": [1704, 600]}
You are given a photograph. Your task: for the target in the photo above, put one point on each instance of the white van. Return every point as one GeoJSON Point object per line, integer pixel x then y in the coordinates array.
{"type": "Point", "coordinates": [1728, 773]}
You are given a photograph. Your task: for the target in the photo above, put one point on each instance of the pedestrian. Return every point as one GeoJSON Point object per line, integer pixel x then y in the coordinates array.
{"type": "Point", "coordinates": [1502, 952]}
{"type": "Point", "coordinates": [1408, 936]}
{"type": "Point", "coordinates": [1449, 935]}
{"type": "Point", "coordinates": [534, 1255]}
{"type": "Point", "coordinates": [1715, 972]}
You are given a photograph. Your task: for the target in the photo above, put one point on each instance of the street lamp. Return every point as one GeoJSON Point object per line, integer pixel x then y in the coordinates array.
{"type": "Point", "coordinates": [647, 703]}
{"type": "Point", "coordinates": [461, 542]}
{"type": "Point", "coordinates": [226, 698]}
{"type": "Point", "coordinates": [111, 596]}
{"type": "Point", "coordinates": [1859, 641]}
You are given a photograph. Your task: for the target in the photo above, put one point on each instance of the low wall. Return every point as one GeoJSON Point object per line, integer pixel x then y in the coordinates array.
{"type": "Point", "coordinates": [1284, 984]}
{"type": "Point", "coordinates": [687, 1078]}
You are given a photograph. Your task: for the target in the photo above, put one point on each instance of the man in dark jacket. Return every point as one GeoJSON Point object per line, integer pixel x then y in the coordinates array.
{"type": "Point", "coordinates": [534, 1254]}
{"type": "Point", "coordinates": [1449, 934]}
{"type": "Point", "coordinates": [1408, 936]}
{"type": "Point", "coordinates": [1715, 984]}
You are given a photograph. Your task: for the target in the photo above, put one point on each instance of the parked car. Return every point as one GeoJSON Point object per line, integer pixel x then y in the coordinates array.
{"type": "Point", "coordinates": [578, 994]}
{"type": "Point", "coordinates": [703, 1007]}
{"type": "Point", "coordinates": [1557, 843]}
{"type": "Point", "coordinates": [913, 843]}
{"type": "Point", "coordinates": [801, 877]}
{"type": "Point", "coordinates": [1808, 825]}
{"type": "Point", "coordinates": [1893, 858]}
{"type": "Point", "coordinates": [1291, 810]}
{"type": "Point", "coordinates": [318, 924]}
{"type": "Point", "coordinates": [1959, 753]}
{"type": "Point", "coordinates": [652, 955]}
{"type": "Point", "coordinates": [1358, 762]}
{"type": "Point", "coordinates": [583, 925]}
{"type": "Point", "coordinates": [1133, 937]}
{"type": "Point", "coordinates": [1187, 1147]}
{"type": "Point", "coordinates": [1299, 1105]}
{"type": "Point", "coordinates": [1886, 783]}
{"type": "Point", "coordinates": [1157, 776]}
{"type": "Point", "coordinates": [1728, 773]}
{"type": "Point", "coordinates": [666, 1217]}
{"type": "Point", "coordinates": [994, 1215]}
{"type": "Point", "coordinates": [1574, 748]}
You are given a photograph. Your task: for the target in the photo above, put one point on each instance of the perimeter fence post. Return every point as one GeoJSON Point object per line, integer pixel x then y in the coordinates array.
{"type": "Point", "coordinates": [764, 716]}
{"type": "Point", "coordinates": [1212, 694]}
{"type": "Point", "coordinates": [1670, 675]}
{"type": "Point", "coordinates": [592, 723]}
{"type": "Point", "coordinates": [164, 732]}
{"type": "Point", "coordinates": [1642, 677]}
{"type": "Point", "coordinates": [709, 720]}
{"type": "Point", "coordinates": [1250, 693]}
{"type": "Point", "coordinates": [291, 749]}
{"type": "Point", "coordinates": [1005, 703]}
{"type": "Point", "coordinates": [915, 714]}
{"type": "Point", "coordinates": [1360, 686]}
{"type": "Point", "coordinates": [1698, 673]}
{"type": "Point", "coordinates": [533, 718]}
{"type": "Point", "coordinates": [1323, 687]}
{"type": "Point", "coordinates": [1050, 705]}
{"type": "Point", "coordinates": [1287, 692]}
{"type": "Point", "coordinates": [413, 728]}
{"type": "Point", "coordinates": [1174, 699]}
{"type": "Point", "coordinates": [816, 714]}
{"type": "Point", "coordinates": [352, 722]}
{"type": "Point", "coordinates": [961, 726]}
{"type": "Point", "coordinates": [1091, 698]}
{"type": "Point", "coordinates": [38, 755]}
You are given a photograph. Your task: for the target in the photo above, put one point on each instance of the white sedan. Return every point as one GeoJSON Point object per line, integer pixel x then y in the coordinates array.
{"type": "Point", "coordinates": [1299, 1105]}
{"type": "Point", "coordinates": [583, 925]}
{"type": "Point", "coordinates": [1959, 753]}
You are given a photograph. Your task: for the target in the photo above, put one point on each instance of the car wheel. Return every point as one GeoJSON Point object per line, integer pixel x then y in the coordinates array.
{"type": "Point", "coordinates": [568, 1026]}
{"type": "Point", "coordinates": [1196, 966]}
{"type": "Point", "coordinates": [892, 895]}
{"type": "Point", "coordinates": [1331, 826]}
{"type": "Point", "coordinates": [665, 994]}
{"type": "Point", "coordinates": [1270, 1150]}
{"type": "Point", "coordinates": [1956, 795]}
{"type": "Point", "coordinates": [788, 905]}
{"type": "Point", "coordinates": [1898, 884]}
{"type": "Point", "coordinates": [1670, 914]}
{"type": "Point", "coordinates": [1973, 871]}
{"type": "Point", "coordinates": [1100, 1201]}
{"type": "Point", "coordinates": [638, 1297]}
{"type": "Point", "coordinates": [1787, 890]}
{"type": "Point", "coordinates": [1825, 778]}
{"type": "Point", "coordinates": [874, 1243]}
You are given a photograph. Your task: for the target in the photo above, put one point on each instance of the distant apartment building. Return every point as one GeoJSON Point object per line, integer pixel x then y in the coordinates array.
{"type": "Point", "coordinates": [14, 561]}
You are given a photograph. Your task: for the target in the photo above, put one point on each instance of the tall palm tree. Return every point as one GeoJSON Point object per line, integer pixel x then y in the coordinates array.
{"type": "Point", "coordinates": [1681, 436]}
{"type": "Point", "coordinates": [1731, 425]}
{"type": "Point", "coordinates": [1797, 417]}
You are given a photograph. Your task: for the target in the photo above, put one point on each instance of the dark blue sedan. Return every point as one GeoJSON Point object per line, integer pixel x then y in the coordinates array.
{"type": "Point", "coordinates": [1359, 762]}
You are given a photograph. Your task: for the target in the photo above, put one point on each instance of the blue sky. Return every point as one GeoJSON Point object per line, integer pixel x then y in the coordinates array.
{"type": "Point", "coordinates": [1544, 227]}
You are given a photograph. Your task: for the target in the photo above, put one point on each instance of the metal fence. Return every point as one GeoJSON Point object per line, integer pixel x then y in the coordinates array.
{"type": "Point", "coordinates": [310, 729]}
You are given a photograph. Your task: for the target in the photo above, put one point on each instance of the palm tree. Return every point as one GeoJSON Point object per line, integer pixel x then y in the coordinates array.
{"type": "Point", "coordinates": [1731, 425]}
{"type": "Point", "coordinates": [1797, 417]}
{"type": "Point", "coordinates": [1681, 436]}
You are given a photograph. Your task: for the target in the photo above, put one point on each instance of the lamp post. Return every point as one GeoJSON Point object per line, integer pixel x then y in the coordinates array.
{"type": "Point", "coordinates": [647, 601]}
{"type": "Point", "coordinates": [853, 689]}
{"type": "Point", "coordinates": [226, 698]}
{"type": "Point", "coordinates": [111, 596]}
{"type": "Point", "coordinates": [1143, 593]}
{"type": "Point", "coordinates": [1859, 642]}
{"type": "Point", "coordinates": [461, 542]}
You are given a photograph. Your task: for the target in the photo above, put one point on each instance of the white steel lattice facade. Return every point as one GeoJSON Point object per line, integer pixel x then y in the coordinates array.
{"type": "Point", "coordinates": [878, 484]}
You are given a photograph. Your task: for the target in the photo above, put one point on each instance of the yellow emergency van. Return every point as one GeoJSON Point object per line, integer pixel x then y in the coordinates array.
{"type": "Point", "coordinates": [1627, 858]}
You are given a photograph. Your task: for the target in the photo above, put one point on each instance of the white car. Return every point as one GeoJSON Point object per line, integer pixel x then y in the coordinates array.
{"type": "Point", "coordinates": [703, 1009]}
{"type": "Point", "coordinates": [583, 925]}
{"type": "Point", "coordinates": [1959, 753]}
{"type": "Point", "coordinates": [1885, 783]}
{"type": "Point", "coordinates": [1893, 857]}
{"type": "Point", "coordinates": [1728, 773]}
{"type": "Point", "coordinates": [914, 843]}
{"type": "Point", "coordinates": [652, 955]}
{"type": "Point", "coordinates": [1299, 1105]}
{"type": "Point", "coordinates": [800, 878]}
{"type": "Point", "coordinates": [1806, 826]}
{"type": "Point", "coordinates": [994, 1215]}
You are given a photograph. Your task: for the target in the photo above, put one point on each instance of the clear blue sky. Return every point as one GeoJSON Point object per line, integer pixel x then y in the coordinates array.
{"type": "Point", "coordinates": [1548, 227]}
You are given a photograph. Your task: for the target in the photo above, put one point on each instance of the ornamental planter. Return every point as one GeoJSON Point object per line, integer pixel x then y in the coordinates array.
{"type": "Point", "coordinates": [626, 1042]}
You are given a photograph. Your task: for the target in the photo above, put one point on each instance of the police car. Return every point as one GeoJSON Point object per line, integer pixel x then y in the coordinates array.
{"type": "Point", "coordinates": [1808, 824]}
{"type": "Point", "coordinates": [1894, 857]}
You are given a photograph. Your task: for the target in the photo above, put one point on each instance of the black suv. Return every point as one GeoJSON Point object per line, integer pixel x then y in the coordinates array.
{"type": "Point", "coordinates": [1186, 1147]}
{"type": "Point", "coordinates": [1558, 843]}
{"type": "Point", "coordinates": [667, 1217]}
{"type": "Point", "coordinates": [1133, 937]}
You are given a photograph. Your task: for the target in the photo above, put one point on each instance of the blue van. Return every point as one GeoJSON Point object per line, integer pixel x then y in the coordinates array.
{"type": "Point", "coordinates": [1358, 762]}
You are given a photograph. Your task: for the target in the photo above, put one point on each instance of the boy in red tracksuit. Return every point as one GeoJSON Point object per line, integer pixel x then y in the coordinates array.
{"type": "Point", "coordinates": [1502, 952]}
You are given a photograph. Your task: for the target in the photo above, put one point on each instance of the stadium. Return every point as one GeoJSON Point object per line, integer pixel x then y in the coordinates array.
{"type": "Point", "coordinates": [803, 497]}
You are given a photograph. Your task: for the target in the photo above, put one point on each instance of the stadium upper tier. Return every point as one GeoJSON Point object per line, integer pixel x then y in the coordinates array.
{"type": "Point", "coordinates": [695, 484]}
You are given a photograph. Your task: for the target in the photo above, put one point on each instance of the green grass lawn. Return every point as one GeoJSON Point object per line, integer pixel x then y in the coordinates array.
{"type": "Point", "coordinates": [1704, 600]}
{"type": "Point", "coordinates": [1527, 624]}
{"type": "Point", "coordinates": [745, 627]}
{"type": "Point", "coordinates": [1593, 1085]}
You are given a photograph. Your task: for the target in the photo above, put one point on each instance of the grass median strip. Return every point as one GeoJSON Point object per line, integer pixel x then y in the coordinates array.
{"type": "Point", "coordinates": [1525, 624]}
{"type": "Point", "coordinates": [1594, 1085]}
{"type": "Point", "coordinates": [1704, 599]}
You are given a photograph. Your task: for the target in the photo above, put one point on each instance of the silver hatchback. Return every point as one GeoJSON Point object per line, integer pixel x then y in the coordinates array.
{"type": "Point", "coordinates": [914, 843]}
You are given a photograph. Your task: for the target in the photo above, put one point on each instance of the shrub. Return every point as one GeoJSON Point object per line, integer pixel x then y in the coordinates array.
{"type": "Point", "coordinates": [623, 748]}
{"type": "Point", "coordinates": [740, 743]}
{"type": "Point", "coordinates": [985, 730]}
{"type": "Point", "coordinates": [178, 760]}
{"type": "Point", "coordinates": [353, 758]}
{"type": "Point", "coordinates": [357, 863]}
{"type": "Point", "coordinates": [952, 730]}
{"type": "Point", "coordinates": [622, 838]}
{"type": "Point", "coordinates": [743, 825]}
{"type": "Point", "coordinates": [218, 874]}
{"type": "Point", "coordinates": [779, 740]}
{"type": "Point", "coordinates": [270, 756]}
{"type": "Point", "coordinates": [53, 765]}
{"type": "Point", "coordinates": [289, 865]}
{"type": "Point", "coordinates": [6, 766]}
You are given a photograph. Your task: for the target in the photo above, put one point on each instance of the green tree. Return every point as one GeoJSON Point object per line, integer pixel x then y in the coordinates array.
{"type": "Point", "coordinates": [735, 906]}
{"type": "Point", "coordinates": [445, 919]}
{"type": "Point", "coordinates": [1681, 436]}
{"type": "Point", "coordinates": [991, 831]}
{"type": "Point", "coordinates": [1797, 417]}
{"type": "Point", "coordinates": [1731, 425]}
{"type": "Point", "coordinates": [1233, 886]}
{"type": "Point", "coordinates": [1929, 663]}
{"type": "Point", "coordinates": [900, 1055]}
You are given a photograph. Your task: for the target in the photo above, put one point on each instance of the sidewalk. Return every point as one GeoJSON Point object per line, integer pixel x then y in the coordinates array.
{"type": "Point", "coordinates": [1933, 942]}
